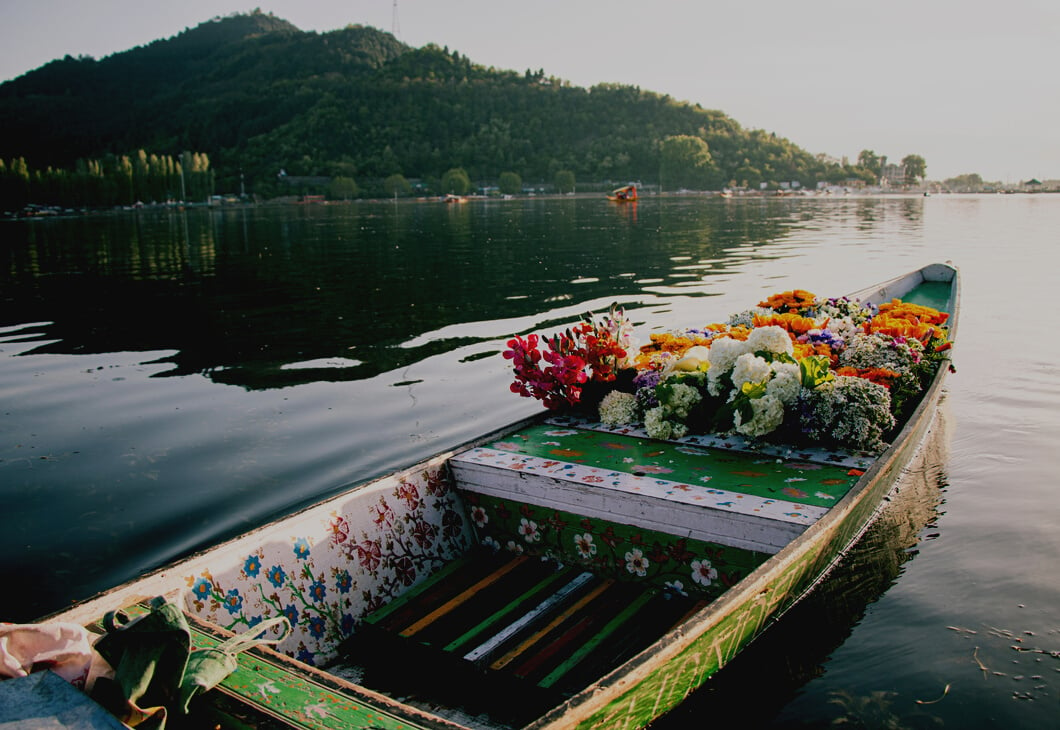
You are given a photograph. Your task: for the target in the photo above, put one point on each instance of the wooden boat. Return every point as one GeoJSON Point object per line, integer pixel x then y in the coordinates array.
{"type": "Point", "coordinates": [624, 194]}
{"type": "Point", "coordinates": [561, 573]}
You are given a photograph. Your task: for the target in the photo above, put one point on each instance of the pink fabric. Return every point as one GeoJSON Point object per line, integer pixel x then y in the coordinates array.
{"type": "Point", "coordinates": [64, 648]}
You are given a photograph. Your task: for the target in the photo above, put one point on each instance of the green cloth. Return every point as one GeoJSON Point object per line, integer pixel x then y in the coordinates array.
{"type": "Point", "coordinates": [155, 667]}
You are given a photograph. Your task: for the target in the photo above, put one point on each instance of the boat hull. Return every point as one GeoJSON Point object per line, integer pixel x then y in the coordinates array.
{"type": "Point", "coordinates": [331, 565]}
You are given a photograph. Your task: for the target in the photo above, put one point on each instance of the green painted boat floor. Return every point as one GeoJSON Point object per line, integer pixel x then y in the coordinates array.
{"type": "Point", "coordinates": [740, 472]}
{"type": "Point", "coordinates": [504, 626]}
{"type": "Point", "coordinates": [934, 294]}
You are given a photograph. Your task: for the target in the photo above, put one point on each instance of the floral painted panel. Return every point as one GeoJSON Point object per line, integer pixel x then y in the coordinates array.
{"type": "Point", "coordinates": [333, 564]}
{"type": "Point", "coordinates": [624, 552]}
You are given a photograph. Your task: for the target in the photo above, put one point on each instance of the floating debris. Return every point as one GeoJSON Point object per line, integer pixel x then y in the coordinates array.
{"type": "Point", "coordinates": [945, 691]}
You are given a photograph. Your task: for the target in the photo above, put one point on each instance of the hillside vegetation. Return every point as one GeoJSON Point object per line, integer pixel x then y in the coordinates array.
{"type": "Point", "coordinates": [255, 95]}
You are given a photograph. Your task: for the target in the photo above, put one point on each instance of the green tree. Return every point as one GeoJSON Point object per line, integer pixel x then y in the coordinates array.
{"type": "Point", "coordinates": [684, 162]}
{"type": "Point", "coordinates": [456, 182]}
{"type": "Point", "coordinates": [396, 185]}
{"type": "Point", "coordinates": [564, 181]}
{"type": "Point", "coordinates": [343, 188]}
{"type": "Point", "coordinates": [870, 161]}
{"type": "Point", "coordinates": [915, 168]}
{"type": "Point", "coordinates": [510, 183]}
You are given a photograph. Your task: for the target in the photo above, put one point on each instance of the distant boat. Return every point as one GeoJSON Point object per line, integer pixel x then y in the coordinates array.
{"type": "Point", "coordinates": [725, 193]}
{"type": "Point", "coordinates": [625, 194]}
{"type": "Point", "coordinates": [450, 198]}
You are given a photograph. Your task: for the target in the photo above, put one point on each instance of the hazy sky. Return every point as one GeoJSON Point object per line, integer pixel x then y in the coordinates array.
{"type": "Point", "coordinates": [969, 85]}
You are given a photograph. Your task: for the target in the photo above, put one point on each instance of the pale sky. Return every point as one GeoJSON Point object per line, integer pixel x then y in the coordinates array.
{"type": "Point", "coordinates": [969, 85]}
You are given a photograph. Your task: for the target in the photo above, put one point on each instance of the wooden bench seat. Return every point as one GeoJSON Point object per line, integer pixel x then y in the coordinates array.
{"type": "Point", "coordinates": [747, 500]}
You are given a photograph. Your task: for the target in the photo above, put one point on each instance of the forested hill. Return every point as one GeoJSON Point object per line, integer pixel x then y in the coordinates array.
{"type": "Point", "coordinates": [259, 95]}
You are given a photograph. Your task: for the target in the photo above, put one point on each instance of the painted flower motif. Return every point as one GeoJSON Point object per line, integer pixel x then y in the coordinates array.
{"type": "Point", "coordinates": [343, 581]}
{"type": "Point", "coordinates": [424, 533]}
{"type": "Point", "coordinates": [479, 516]}
{"type": "Point", "coordinates": [409, 494]}
{"type": "Point", "coordinates": [652, 469]}
{"type": "Point", "coordinates": [585, 546]}
{"type": "Point", "coordinates": [507, 446]}
{"type": "Point", "coordinates": [317, 626]}
{"type": "Point", "coordinates": [233, 602]}
{"type": "Point", "coordinates": [676, 586]}
{"type": "Point", "coordinates": [528, 529]}
{"type": "Point", "coordinates": [301, 548]}
{"type": "Point", "coordinates": [491, 543]}
{"type": "Point", "coordinates": [703, 572]}
{"type": "Point", "coordinates": [636, 562]}
{"type": "Point", "coordinates": [252, 566]}
{"type": "Point", "coordinates": [560, 432]}
{"type": "Point", "coordinates": [340, 530]}
{"type": "Point", "coordinates": [318, 591]}
{"type": "Point", "coordinates": [291, 613]}
{"type": "Point", "coordinates": [202, 588]}
{"type": "Point", "coordinates": [305, 656]}
{"type": "Point", "coordinates": [319, 711]}
{"type": "Point", "coordinates": [370, 555]}
{"type": "Point", "coordinates": [384, 515]}
{"type": "Point", "coordinates": [276, 576]}
{"type": "Point", "coordinates": [405, 570]}
{"type": "Point", "coordinates": [347, 624]}
{"type": "Point", "coordinates": [514, 547]}
{"type": "Point", "coordinates": [452, 524]}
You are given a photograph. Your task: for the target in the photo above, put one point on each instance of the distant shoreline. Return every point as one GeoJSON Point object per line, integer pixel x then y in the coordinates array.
{"type": "Point", "coordinates": [37, 212]}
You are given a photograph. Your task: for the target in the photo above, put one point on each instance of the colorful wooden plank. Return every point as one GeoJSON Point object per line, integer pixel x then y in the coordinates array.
{"type": "Point", "coordinates": [512, 629]}
{"type": "Point", "coordinates": [554, 622]}
{"type": "Point", "coordinates": [500, 616]}
{"type": "Point", "coordinates": [462, 597]}
{"type": "Point", "coordinates": [587, 647]}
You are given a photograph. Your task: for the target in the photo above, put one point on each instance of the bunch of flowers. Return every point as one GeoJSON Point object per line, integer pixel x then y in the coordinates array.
{"type": "Point", "coordinates": [591, 351]}
{"type": "Point", "coordinates": [846, 411]}
{"type": "Point", "coordinates": [798, 368]}
{"type": "Point", "coordinates": [796, 301]}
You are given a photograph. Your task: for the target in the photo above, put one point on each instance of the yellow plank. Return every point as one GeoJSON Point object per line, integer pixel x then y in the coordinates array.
{"type": "Point", "coordinates": [563, 616]}
{"type": "Point", "coordinates": [463, 597]}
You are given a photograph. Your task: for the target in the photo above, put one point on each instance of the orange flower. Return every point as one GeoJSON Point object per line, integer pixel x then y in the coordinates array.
{"type": "Point", "coordinates": [667, 343]}
{"type": "Point", "coordinates": [793, 323]}
{"type": "Point", "coordinates": [885, 324]}
{"type": "Point", "coordinates": [880, 376]}
{"type": "Point", "coordinates": [796, 300]}
{"type": "Point", "coordinates": [738, 332]}
{"type": "Point", "coordinates": [806, 349]}
{"type": "Point", "coordinates": [897, 309]}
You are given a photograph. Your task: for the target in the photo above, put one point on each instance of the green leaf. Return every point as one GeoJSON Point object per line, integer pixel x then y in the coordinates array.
{"type": "Point", "coordinates": [753, 390]}
{"type": "Point", "coordinates": [814, 371]}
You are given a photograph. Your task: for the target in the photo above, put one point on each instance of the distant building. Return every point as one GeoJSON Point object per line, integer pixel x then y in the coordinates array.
{"type": "Point", "coordinates": [891, 175]}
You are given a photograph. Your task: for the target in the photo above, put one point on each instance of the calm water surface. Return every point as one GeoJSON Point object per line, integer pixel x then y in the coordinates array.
{"type": "Point", "coordinates": [170, 379]}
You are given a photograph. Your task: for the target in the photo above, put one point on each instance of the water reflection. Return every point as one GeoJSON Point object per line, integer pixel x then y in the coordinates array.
{"type": "Point", "coordinates": [772, 671]}
{"type": "Point", "coordinates": [242, 295]}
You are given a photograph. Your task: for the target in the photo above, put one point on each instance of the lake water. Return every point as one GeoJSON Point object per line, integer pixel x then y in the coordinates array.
{"type": "Point", "coordinates": [170, 379]}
